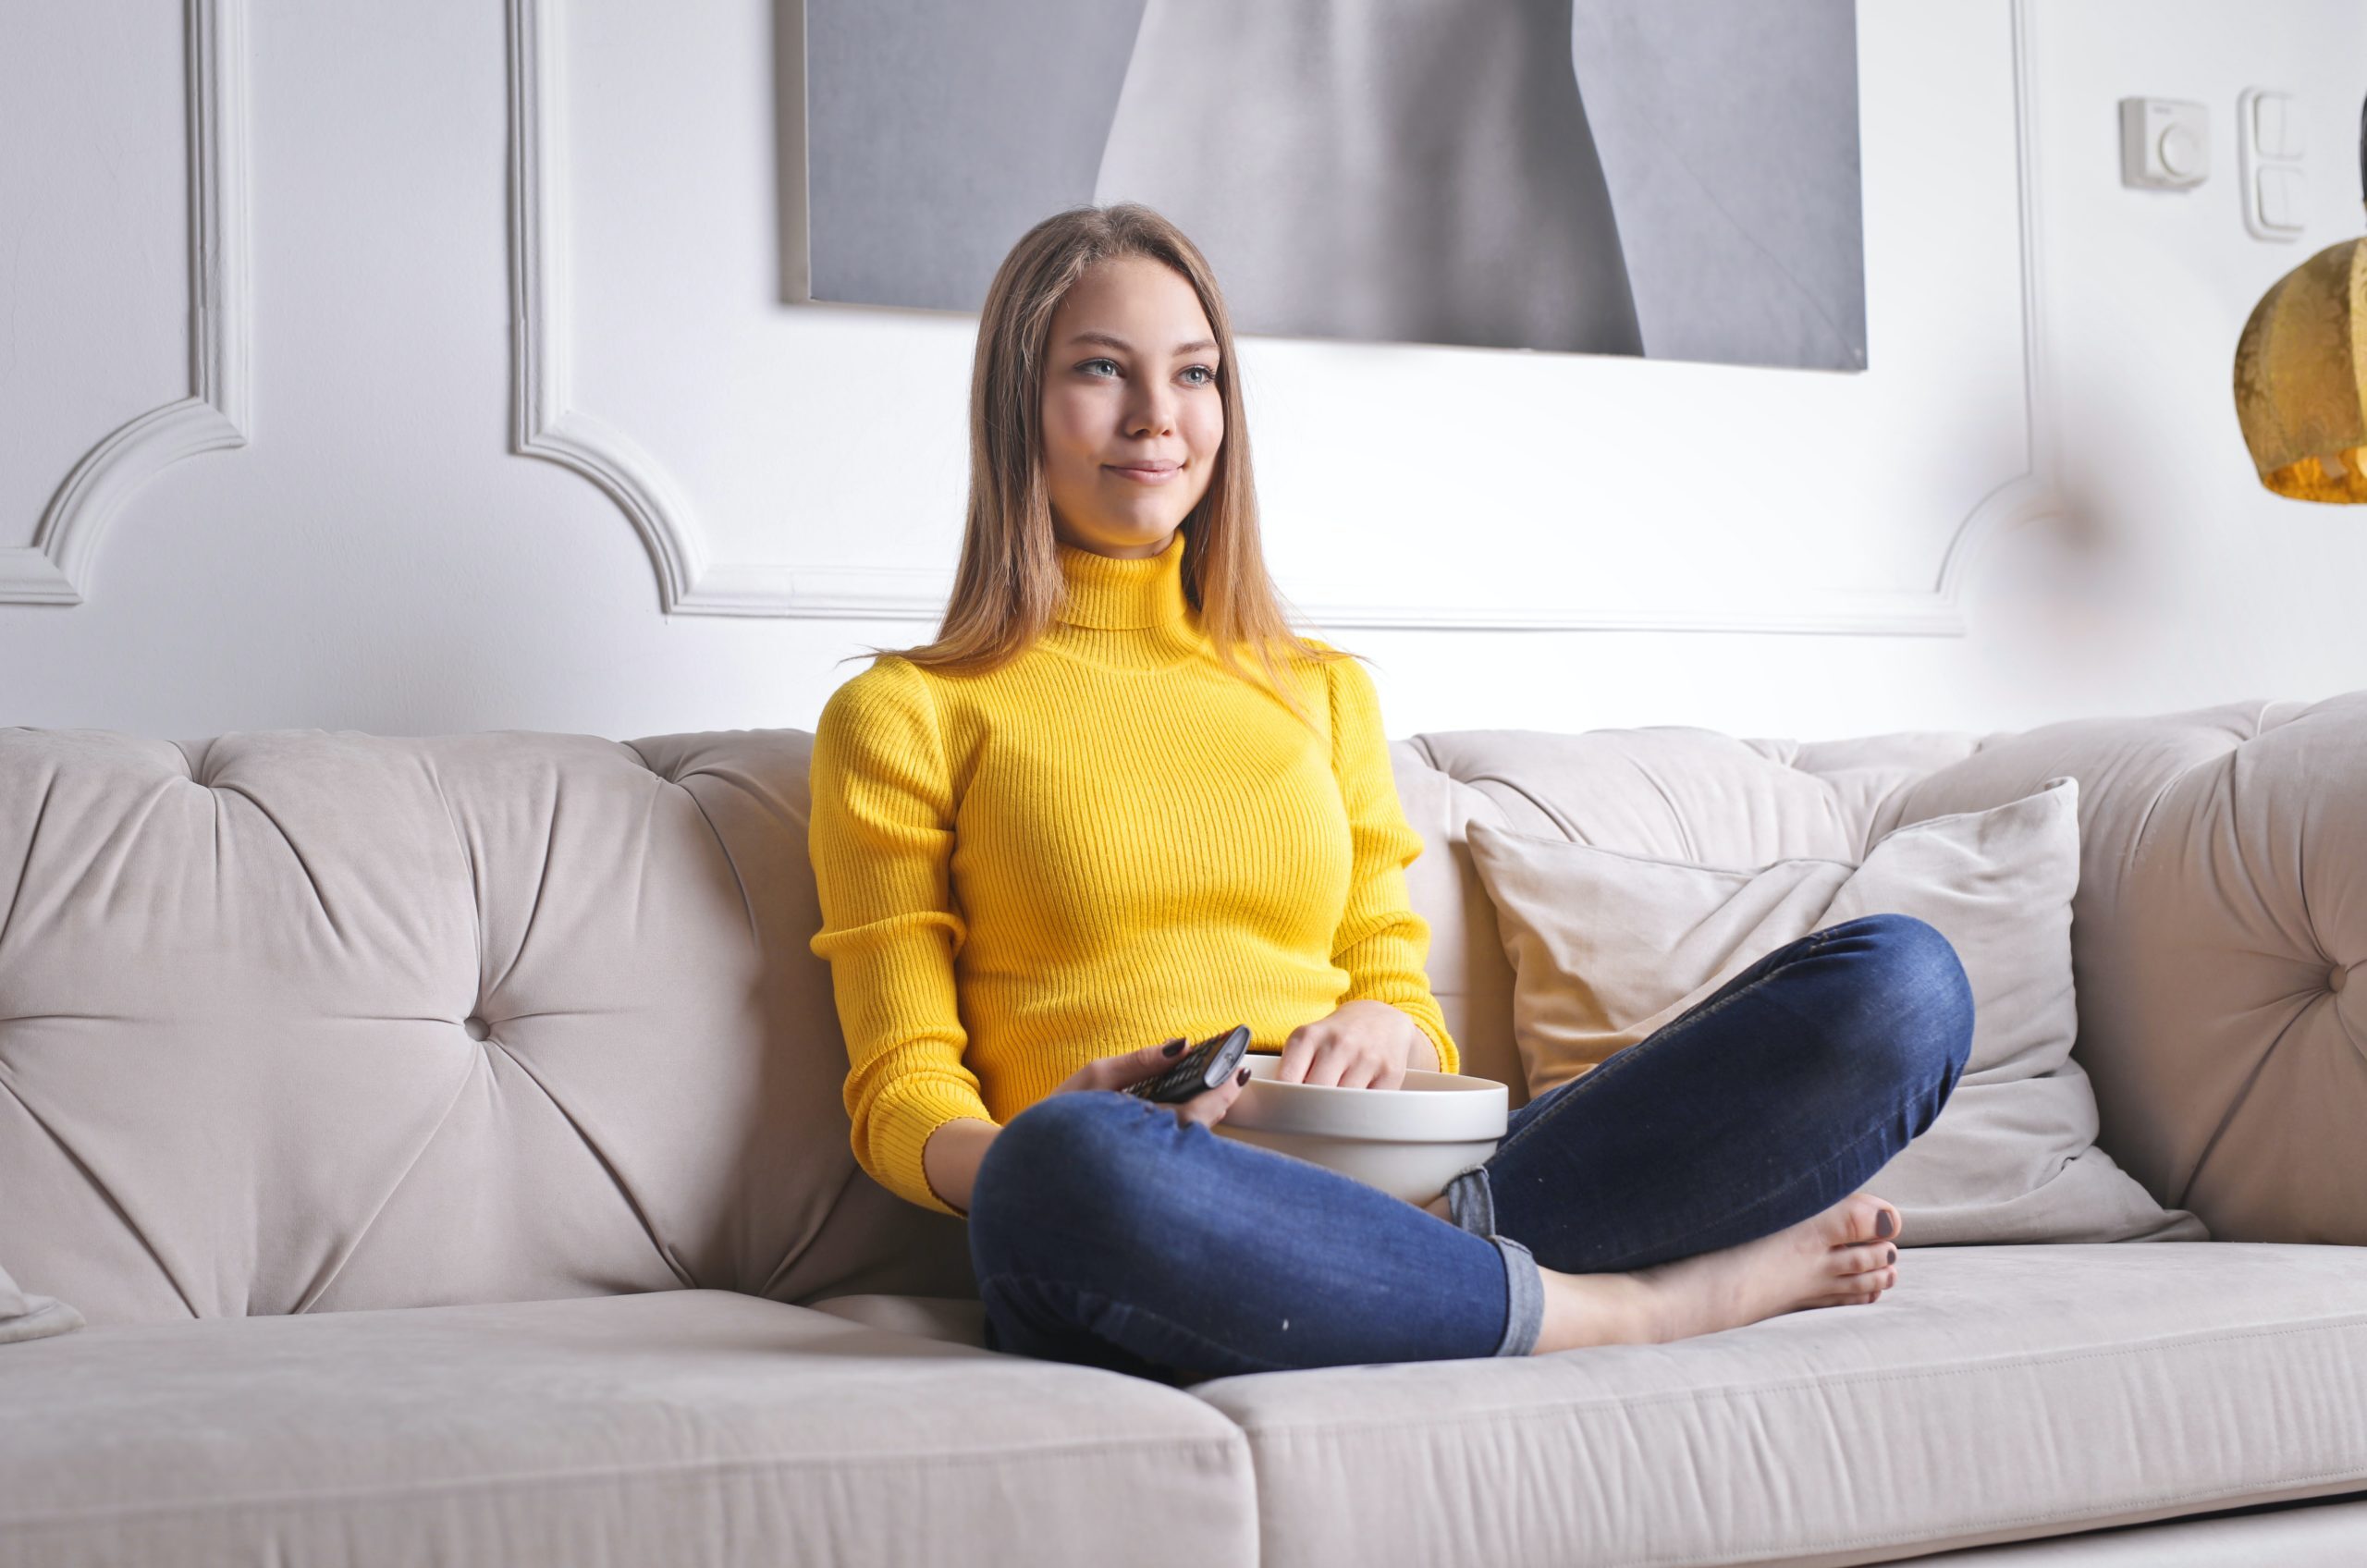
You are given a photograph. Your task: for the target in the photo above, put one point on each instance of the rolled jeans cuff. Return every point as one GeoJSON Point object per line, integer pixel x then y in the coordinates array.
{"type": "Point", "coordinates": [1524, 1316]}
{"type": "Point", "coordinates": [1469, 1202]}
{"type": "Point", "coordinates": [1472, 1207]}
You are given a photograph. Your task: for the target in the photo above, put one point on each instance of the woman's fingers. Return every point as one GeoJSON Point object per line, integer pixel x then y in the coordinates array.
{"type": "Point", "coordinates": [1126, 1067]}
{"type": "Point", "coordinates": [1132, 1067]}
{"type": "Point", "coordinates": [1207, 1107]}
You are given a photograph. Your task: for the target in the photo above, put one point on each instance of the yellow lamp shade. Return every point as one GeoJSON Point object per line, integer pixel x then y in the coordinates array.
{"type": "Point", "coordinates": [2301, 379]}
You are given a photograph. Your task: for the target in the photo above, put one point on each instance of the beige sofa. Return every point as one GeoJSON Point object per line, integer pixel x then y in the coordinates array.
{"type": "Point", "coordinates": [441, 1141]}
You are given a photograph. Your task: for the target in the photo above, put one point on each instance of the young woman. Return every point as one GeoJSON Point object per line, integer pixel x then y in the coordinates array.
{"type": "Point", "coordinates": [1117, 801]}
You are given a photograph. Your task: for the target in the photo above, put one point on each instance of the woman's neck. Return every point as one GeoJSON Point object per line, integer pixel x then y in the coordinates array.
{"type": "Point", "coordinates": [1123, 592]}
{"type": "Point", "coordinates": [1125, 613]}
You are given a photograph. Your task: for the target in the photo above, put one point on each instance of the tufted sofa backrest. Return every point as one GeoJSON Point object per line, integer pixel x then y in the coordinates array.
{"type": "Point", "coordinates": [306, 1021]}
{"type": "Point", "coordinates": [313, 1021]}
{"type": "Point", "coordinates": [2219, 934]}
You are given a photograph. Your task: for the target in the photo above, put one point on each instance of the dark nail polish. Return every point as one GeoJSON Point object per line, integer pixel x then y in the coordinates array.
{"type": "Point", "coordinates": [1894, 1255]}
{"type": "Point", "coordinates": [1174, 1047]}
{"type": "Point", "coordinates": [1242, 1077]}
{"type": "Point", "coordinates": [1882, 1225]}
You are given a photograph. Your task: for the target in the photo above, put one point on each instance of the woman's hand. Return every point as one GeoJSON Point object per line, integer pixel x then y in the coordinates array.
{"type": "Point", "coordinates": [1363, 1045]}
{"type": "Point", "coordinates": [1207, 1108]}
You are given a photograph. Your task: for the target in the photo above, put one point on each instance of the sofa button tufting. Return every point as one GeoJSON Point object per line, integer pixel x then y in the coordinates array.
{"type": "Point", "coordinates": [477, 1027]}
{"type": "Point", "coordinates": [2337, 977]}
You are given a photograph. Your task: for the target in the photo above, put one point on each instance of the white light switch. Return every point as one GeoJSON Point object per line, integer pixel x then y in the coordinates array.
{"type": "Point", "coordinates": [2268, 156]}
{"type": "Point", "coordinates": [2272, 129]}
{"type": "Point", "coordinates": [2280, 203]}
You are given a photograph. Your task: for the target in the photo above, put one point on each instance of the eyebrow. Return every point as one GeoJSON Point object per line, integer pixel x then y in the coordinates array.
{"type": "Point", "coordinates": [1116, 342]}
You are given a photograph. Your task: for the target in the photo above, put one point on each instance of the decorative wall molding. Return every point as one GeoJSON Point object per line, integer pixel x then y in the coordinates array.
{"type": "Point", "coordinates": [541, 319]}
{"type": "Point", "coordinates": [545, 427]}
{"type": "Point", "coordinates": [56, 567]}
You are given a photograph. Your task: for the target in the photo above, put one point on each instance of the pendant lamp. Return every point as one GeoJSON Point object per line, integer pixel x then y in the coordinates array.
{"type": "Point", "coordinates": [2301, 374]}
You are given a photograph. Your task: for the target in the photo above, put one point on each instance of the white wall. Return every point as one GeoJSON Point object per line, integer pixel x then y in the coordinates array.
{"type": "Point", "coordinates": [376, 558]}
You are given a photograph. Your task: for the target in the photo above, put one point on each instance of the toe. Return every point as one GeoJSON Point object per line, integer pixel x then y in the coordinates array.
{"type": "Point", "coordinates": [1866, 1286]}
{"type": "Point", "coordinates": [1863, 1219]}
{"type": "Point", "coordinates": [1882, 1221]}
{"type": "Point", "coordinates": [1862, 1259]}
{"type": "Point", "coordinates": [1857, 1290]}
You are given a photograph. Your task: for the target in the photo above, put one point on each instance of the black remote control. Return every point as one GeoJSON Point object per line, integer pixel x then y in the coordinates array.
{"type": "Point", "coordinates": [1199, 1070]}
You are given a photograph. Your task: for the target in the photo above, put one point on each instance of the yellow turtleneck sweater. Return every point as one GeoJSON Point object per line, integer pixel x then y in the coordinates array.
{"type": "Point", "coordinates": [1106, 842]}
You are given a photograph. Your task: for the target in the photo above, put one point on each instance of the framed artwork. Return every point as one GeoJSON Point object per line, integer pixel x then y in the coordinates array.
{"type": "Point", "coordinates": [1666, 178]}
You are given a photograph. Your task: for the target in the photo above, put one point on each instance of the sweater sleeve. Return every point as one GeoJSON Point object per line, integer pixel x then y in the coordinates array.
{"type": "Point", "coordinates": [881, 842]}
{"type": "Point", "coordinates": [1381, 942]}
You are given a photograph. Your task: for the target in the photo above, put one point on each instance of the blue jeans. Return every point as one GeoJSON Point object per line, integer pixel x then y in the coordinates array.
{"type": "Point", "coordinates": [1104, 1231]}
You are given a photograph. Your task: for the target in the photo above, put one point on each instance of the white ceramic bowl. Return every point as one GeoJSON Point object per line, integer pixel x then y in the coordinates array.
{"type": "Point", "coordinates": [1409, 1142]}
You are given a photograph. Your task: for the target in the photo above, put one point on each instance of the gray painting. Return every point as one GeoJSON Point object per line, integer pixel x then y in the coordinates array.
{"type": "Point", "coordinates": [1677, 178]}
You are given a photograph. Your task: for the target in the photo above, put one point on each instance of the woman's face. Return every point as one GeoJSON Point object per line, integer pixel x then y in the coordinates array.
{"type": "Point", "coordinates": [1132, 415]}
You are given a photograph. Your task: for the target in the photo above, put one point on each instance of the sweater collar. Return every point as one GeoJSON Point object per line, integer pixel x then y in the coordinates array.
{"type": "Point", "coordinates": [1110, 594]}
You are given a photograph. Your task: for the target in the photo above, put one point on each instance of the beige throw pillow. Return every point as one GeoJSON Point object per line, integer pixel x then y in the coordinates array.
{"type": "Point", "coordinates": [32, 1318]}
{"type": "Point", "coordinates": [1606, 947]}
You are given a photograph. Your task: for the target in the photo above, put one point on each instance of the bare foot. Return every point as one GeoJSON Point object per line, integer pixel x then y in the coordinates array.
{"type": "Point", "coordinates": [1830, 1259]}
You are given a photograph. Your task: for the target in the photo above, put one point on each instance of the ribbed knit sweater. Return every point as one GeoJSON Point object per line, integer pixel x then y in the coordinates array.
{"type": "Point", "coordinates": [1106, 842]}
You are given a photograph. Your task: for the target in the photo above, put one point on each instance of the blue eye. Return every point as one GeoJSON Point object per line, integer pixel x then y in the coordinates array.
{"type": "Point", "coordinates": [1208, 372]}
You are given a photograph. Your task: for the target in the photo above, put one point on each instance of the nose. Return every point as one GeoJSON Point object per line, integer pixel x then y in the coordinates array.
{"type": "Point", "coordinates": [1151, 410]}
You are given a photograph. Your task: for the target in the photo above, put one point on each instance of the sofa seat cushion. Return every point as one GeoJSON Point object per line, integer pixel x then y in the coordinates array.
{"type": "Point", "coordinates": [2311, 1533]}
{"type": "Point", "coordinates": [672, 1426]}
{"type": "Point", "coordinates": [958, 1320]}
{"type": "Point", "coordinates": [1996, 1393]}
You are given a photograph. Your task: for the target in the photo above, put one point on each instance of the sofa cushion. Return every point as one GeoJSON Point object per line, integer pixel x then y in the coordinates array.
{"type": "Point", "coordinates": [1996, 1393]}
{"type": "Point", "coordinates": [2220, 934]}
{"type": "Point", "coordinates": [2311, 1533]}
{"type": "Point", "coordinates": [672, 1426]}
{"type": "Point", "coordinates": [1676, 792]}
{"type": "Point", "coordinates": [26, 1316]}
{"type": "Point", "coordinates": [957, 1320]}
{"type": "Point", "coordinates": [297, 1020]}
{"type": "Point", "coordinates": [1610, 947]}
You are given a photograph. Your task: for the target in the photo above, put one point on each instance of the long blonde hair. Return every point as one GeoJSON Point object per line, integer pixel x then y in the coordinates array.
{"type": "Point", "coordinates": [1007, 586]}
